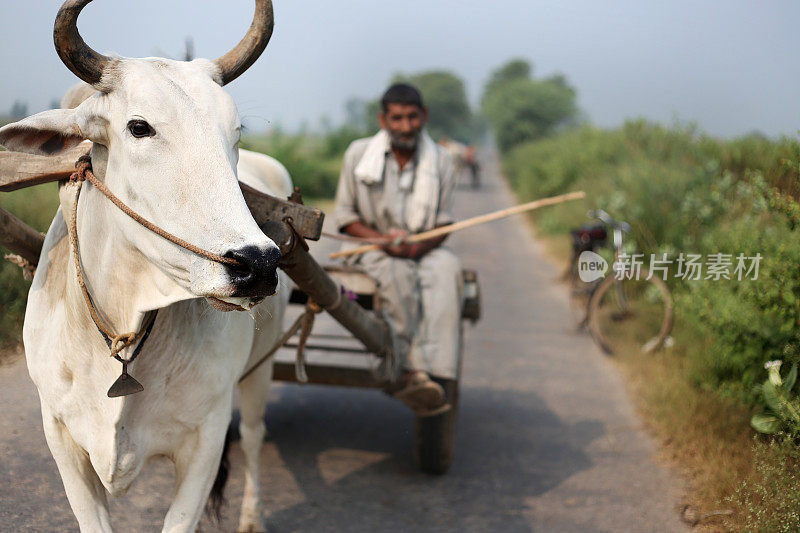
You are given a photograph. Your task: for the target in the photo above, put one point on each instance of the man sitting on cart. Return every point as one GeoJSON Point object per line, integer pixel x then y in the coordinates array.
{"type": "Point", "coordinates": [396, 183]}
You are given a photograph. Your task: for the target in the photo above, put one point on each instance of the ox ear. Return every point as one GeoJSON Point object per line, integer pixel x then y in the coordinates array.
{"type": "Point", "coordinates": [47, 133]}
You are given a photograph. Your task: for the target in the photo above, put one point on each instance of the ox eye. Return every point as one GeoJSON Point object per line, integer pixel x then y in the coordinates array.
{"type": "Point", "coordinates": [140, 128]}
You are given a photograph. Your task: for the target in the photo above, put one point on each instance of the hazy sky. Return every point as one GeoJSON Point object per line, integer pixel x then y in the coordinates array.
{"type": "Point", "coordinates": [731, 66]}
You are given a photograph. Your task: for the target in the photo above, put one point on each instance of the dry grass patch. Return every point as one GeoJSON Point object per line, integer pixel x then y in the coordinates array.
{"type": "Point", "coordinates": [769, 499]}
{"type": "Point", "coordinates": [708, 438]}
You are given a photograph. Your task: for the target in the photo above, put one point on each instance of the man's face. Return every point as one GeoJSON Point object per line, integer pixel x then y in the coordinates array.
{"type": "Point", "coordinates": [404, 122]}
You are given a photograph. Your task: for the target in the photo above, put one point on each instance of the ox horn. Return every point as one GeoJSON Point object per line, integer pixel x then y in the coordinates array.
{"type": "Point", "coordinates": [84, 62]}
{"type": "Point", "coordinates": [244, 54]}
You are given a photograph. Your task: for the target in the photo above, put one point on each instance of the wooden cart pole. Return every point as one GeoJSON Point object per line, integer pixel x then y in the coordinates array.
{"type": "Point", "coordinates": [310, 278]}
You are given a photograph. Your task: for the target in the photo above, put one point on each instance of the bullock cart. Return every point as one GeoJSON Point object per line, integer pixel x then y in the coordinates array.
{"type": "Point", "coordinates": [346, 294]}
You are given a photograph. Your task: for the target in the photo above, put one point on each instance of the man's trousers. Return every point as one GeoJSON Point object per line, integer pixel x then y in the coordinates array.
{"type": "Point", "coordinates": [421, 301]}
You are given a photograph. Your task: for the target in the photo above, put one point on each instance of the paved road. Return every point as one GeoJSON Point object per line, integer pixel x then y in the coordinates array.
{"type": "Point", "coordinates": [547, 439]}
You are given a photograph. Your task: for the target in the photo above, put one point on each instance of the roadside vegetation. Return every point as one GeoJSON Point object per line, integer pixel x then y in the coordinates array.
{"type": "Point", "coordinates": [731, 422]}
{"type": "Point", "coordinates": [313, 160]}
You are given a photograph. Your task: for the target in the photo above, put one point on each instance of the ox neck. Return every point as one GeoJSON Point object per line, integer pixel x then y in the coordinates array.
{"type": "Point", "coordinates": [123, 284]}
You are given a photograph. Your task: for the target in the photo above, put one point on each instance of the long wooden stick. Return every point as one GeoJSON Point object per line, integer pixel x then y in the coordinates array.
{"type": "Point", "coordinates": [470, 222]}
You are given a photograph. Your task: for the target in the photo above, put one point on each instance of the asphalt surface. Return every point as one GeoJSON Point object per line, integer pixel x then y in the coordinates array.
{"type": "Point", "coordinates": [547, 439]}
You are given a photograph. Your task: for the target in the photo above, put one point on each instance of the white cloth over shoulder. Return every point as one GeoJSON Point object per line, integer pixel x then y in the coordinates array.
{"type": "Point", "coordinates": [422, 184]}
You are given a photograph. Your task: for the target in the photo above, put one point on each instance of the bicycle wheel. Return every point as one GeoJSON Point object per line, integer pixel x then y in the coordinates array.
{"type": "Point", "coordinates": [630, 314]}
{"type": "Point", "coordinates": [579, 294]}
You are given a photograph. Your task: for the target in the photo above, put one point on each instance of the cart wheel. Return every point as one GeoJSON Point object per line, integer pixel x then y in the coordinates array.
{"type": "Point", "coordinates": [435, 436]}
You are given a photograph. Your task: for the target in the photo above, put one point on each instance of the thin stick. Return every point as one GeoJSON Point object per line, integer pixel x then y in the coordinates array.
{"type": "Point", "coordinates": [470, 222]}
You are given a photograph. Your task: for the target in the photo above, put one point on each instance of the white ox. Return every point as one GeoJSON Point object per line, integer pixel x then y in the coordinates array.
{"type": "Point", "coordinates": [165, 140]}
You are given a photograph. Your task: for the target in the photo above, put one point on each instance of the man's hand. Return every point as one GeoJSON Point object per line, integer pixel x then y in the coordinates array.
{"type": "Point", "coordinates": [394, 242]}
{"type": "Point", "coordinates": [406, 250]}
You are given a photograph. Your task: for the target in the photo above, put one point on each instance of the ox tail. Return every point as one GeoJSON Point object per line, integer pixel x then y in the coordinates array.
{"type": "Point", "coordinates": [217, 497]}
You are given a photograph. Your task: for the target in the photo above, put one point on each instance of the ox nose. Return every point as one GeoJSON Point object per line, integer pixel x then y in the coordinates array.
{"type": "Point", "coordinates": [256, 275]}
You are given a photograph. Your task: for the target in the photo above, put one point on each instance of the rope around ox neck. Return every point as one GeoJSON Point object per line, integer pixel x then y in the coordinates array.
{"type": "Point", "coordinates": [84, 171]}
{"type": "Point", "coordinates": [116, 342]}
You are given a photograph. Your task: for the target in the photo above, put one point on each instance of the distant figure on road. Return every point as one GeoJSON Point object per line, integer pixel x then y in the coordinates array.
{"type": "Point", "coordinates": [464, 157]}
{"type": "Point", "coordinates": [396, 183]}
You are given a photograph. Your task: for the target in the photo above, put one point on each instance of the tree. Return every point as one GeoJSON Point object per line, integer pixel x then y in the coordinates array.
{"type": "Point", "coordinates": [446, 99]}
{"type": "Point", "coordinates": [521, 109]}
{"type": "Point", "coordinates": [355, 110]}
{"type": "Point", "coordinates": [516, 69]}
{"type": "Point", "coordinates": [19, 110]}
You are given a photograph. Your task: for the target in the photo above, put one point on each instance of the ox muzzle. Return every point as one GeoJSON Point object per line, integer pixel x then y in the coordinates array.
{"type": "Point", "coordinates": [256, 275]}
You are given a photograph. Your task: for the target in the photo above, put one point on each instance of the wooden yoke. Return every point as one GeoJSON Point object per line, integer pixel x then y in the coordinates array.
{"type": "Point", "coordinates": [307, 221]}
{"type": "Point", "coordinates": [18, 170]}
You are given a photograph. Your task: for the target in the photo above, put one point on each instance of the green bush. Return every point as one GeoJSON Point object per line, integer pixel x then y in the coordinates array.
{"type": "Point", "coordinates": [751, 321]}
{"type": "Point", "coordinates": [686, 192]}
{"type": "Point", "coordinates": [314, 162]}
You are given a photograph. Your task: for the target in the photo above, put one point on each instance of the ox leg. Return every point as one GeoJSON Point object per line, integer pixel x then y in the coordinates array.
{"type": "Point", "coordinates": [85, 492]}
{"type": "Point", "coordinates": [254, 391]}
{"type": "Point", "coordinates": [196, 464]}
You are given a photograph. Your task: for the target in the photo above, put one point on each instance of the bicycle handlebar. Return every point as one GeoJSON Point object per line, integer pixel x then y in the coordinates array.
{"type": "Point", "coordinates": [604, 217]}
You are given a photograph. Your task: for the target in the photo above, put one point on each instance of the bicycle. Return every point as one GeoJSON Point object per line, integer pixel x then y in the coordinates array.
{"type": "Point", "coordinates": [630, 306]}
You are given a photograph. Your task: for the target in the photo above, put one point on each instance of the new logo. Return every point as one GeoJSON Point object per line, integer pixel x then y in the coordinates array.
{"type": "Point", "coordinates": [591, 267]}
